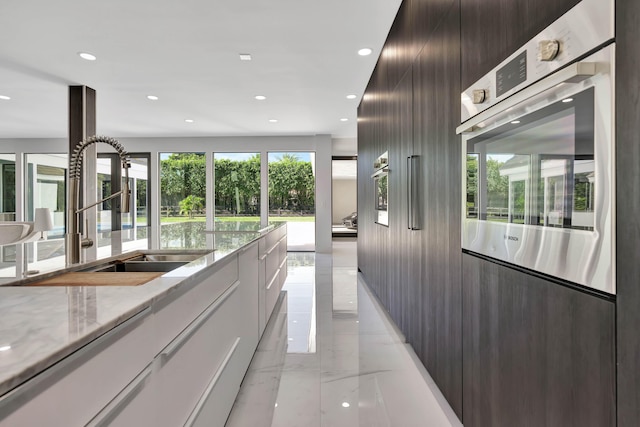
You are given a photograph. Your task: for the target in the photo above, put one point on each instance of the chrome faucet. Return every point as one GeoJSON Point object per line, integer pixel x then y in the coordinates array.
{"type": "Point", "coordinates": [73, 239]}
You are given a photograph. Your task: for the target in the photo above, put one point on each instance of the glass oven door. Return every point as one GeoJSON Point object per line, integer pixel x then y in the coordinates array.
{"type": "Point", "coordinates": [537, 170]}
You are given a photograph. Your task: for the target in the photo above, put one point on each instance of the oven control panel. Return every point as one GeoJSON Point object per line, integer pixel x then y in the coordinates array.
{"type": "Point", "coordinates": [586, 26]}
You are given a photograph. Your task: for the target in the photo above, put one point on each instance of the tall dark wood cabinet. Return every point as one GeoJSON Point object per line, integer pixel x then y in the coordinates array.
{"type": "Point", "coordinates": [372, 238]}
{"type": "Point", "coordinates": [505, 347]}
{"type": "Point", "coordinates": [436, 113]}
{"type": "Point", "coordinates": [405, 288]}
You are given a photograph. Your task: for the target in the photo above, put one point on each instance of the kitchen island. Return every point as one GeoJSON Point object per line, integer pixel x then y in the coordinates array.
{"type": "Point", "coordinates": [170, 352]}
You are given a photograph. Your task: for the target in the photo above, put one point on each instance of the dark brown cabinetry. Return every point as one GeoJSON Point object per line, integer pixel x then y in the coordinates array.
{"type": "Point", "coordinates": [535, 353]}
{"type": "Point", "coordinates": [506, 348]}
{"type": "Point", "coordinates": [493, 29]}
{"type": "Point", "coordinates": [413, 112]}
{"type": "Point", "coordinates": [405, 288]}
{"type": "Point", "coordinates": [436, 111]}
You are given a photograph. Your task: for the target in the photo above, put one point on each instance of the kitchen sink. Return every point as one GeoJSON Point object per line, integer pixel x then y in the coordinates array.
{"type": "Point", "coordinates": [131, 266]}
{"type": "Point", "coordinates": [149, 261]}
{"type": "Point", "coordinates": [133, 269]}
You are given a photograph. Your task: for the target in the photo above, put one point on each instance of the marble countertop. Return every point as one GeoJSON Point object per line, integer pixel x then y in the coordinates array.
{"type": "Point", "coordinates": [40, 325]}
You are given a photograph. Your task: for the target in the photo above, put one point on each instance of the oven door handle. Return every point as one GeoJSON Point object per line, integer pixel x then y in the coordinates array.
{"type": "Point", "coordinates": [574, 73]}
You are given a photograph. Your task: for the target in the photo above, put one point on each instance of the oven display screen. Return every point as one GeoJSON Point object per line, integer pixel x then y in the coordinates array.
{"type": "Point", "coordinates": [512, 74]}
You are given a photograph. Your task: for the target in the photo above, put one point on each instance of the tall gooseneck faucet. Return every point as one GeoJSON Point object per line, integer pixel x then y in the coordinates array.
{"type": "Point", "coordinates": [73, 239]}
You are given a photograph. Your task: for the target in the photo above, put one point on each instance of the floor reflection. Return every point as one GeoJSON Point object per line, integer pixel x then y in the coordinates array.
{"type": "Point", "coordinates": [360, 373]}
{"type": "Point", "coordinates": [301, 295]}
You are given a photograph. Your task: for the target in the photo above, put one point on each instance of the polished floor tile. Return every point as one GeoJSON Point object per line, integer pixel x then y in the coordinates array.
{"type": "Point", "coordinates": [330, 357]}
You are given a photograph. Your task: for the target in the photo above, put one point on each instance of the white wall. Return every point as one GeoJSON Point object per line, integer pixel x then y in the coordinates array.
{"type": "Point", "coordinates": [344, 146]}
{"type": "Point", "coordinates": [344, 194]}
{"type": "Point", "coordinates": [320, 144]}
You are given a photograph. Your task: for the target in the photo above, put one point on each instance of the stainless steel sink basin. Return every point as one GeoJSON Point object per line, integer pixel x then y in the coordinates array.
{"type": "Point", "coordinates": [131, 266]}
{"type": "Point", "coordinates": [172, 255]}
{"type": "Point", "coordinates": [166, 258]}
{"type": "Point", "coordinates": [150, 261]}
{"type": "Point", "coordinates": [143, 266]}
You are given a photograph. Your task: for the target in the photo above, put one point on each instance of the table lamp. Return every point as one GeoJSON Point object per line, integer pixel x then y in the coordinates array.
{"type": "Point", "coordinates": [42, 221]}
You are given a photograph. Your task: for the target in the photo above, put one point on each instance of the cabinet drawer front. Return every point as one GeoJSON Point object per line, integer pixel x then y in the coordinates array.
{"type": "Point", "coordinates": [262, 285]}
{"type": "Point", "coordinates": [272, 292]}
{"type": "Point", "coordinates": [190, 362]}
{"type": "Point", "coordinates": [215, 404]}
{"type": "Point", "coordinates": [262, 247]}
{"type": "Point", "coordinates": [176, 313]}
{"type": "Point", "coordinates": [275, 236]}
{"type": "Point", "coordinates": [283, 248]}
{"type": "Point", "coordinates": [273, 261]}
{"type": "Point", "coordinates": [72, 391]}
{"type": "Point", "coordinates": [133, 406]}
{"type": "Point", "coordinates": [283, 273]}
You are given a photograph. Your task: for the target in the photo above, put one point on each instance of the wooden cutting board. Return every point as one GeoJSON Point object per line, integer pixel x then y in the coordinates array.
{"type": "Point", "coordinates": [99, 279]}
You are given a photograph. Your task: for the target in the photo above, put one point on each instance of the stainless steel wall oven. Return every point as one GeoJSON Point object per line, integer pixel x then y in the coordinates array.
{"type": "Point", "coordinates": [538, 145]}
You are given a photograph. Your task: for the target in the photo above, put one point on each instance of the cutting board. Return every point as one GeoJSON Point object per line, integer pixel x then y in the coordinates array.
{"type": "Point", "coordinates": [98, 279]}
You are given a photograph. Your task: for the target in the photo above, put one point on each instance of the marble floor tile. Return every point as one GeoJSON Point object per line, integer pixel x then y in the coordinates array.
{"type": "Point", "coordinates": [330, 357]}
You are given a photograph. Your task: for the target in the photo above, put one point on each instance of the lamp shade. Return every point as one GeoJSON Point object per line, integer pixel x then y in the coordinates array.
{"type": "Point", "coordinates": [42, 220]}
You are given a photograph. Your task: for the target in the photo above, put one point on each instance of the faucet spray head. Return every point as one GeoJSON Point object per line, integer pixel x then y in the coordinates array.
{"type": "Point", "coordinates": [125, 205]}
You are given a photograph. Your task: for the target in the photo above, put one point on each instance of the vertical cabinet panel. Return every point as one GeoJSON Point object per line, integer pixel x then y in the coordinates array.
{"type": "Point", "coordinates": [536, 353]}
{"type": "Point", "coordinates": [628, 201]}
{"type": "Point", "coordinates": [373, 140]}
{"type": "Point", "coordinates": [436, 111]}
{"type": "Point", "coordinates": [404, 248]}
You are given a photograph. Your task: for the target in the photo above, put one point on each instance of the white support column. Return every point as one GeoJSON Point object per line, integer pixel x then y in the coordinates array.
{"type": "Point", "coordinates": [210, 199]}
{"type": "Point", "coordinates": [323, 194]}
{"type": "Point", "coordinates": [210, 205]}
{"type": "Point", "coordinates": [154, 224]}
{"type": "Point", "coordinates": [21, 191]}
{"type": "Point", "coordinates": [264, 187]}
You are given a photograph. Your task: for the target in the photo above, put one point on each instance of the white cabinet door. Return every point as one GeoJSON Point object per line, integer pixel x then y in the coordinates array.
{"type": "Point", "coordinates": [74, 390]}
{"type": "Point", "coordinates": [190, 362]}
{"type": "Point", "coordinates": [173, 314]}
{"type": "Point", "coordinates": [133, 406]}
{"type": "Point", "coordinates": [248, 323]}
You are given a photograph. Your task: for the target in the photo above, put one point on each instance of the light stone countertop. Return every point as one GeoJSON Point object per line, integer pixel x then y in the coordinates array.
{"type": "Point", "coordinates": [42, 324]}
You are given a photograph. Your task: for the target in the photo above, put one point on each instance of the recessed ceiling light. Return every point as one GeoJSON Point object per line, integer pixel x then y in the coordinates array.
{"type": "Point", "coordinates": [351, 96]}
{"type": "Point", "coordinates": [87, 56]}
{"type": "Point", "coordinates": [6, 98]}
{"type": "Point", "coordinates": [273, 121]}
{"type": "Point", "coordinates": [515, 122]}
{"type": "Point", "coordinates": [365, 51]}
{"type": "Point", "coordinates": [345, 404]}
{"type": "Point", "coordinates": [245, 57]}
{"type": "Point", "coordinates": [344, 120]}
{"type": "Point", "coordinates": [567, 100]}
{"type": "Point", "coordinates": [152, 97]}
{"type": "Point", "coordinates": [188, 120]}
{"type": "Point", "coordinates": [5, 348]}
{"type": "Point", "coordinates": [260, 97]}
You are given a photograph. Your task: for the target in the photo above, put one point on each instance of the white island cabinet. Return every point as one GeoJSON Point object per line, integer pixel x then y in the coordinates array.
{"type": "Point", "coordinates": [178, 362]}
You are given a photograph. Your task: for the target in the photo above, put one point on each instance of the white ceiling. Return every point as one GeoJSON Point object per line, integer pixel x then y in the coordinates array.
{"type": "Point", "coordinates": [186, 52]}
